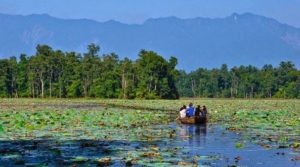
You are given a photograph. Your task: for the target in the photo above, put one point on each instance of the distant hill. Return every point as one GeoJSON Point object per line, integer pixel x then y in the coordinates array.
{"type": "Point", "coordinates": [239, 39]}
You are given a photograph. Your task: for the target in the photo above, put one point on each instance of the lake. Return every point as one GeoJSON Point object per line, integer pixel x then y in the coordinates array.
{"type": "Point", "coordinates": [187, 145]}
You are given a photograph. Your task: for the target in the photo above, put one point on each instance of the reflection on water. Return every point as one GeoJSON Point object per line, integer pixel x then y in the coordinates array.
{"type": "Point", "coordinates": [212, 145]}
{"type": "Point", "coordinates": [207, 145]}
{"type": "Point", "coordinates": [196, 134]}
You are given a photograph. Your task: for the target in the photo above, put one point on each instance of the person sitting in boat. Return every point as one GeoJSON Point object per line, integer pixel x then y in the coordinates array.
{"type": "Point", "coordinates": [182, 111]}
{"type": "Point", "coordinates": [198, 111]}
{"type": "Point", "coordinates": [190, 110]}
{"type": "Point", "coordinates": [204, 111]}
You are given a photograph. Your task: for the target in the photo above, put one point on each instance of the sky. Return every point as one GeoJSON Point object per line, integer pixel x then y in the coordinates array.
{"type": "Point", "coordinates": [137, 11]}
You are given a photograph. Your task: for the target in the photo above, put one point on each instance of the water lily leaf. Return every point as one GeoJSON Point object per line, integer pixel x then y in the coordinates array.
{"type": "Point", "coordinates": [79, 159]}
{"type": "Point", "coordinates": [1, 128]}
{"type": "Point", "coordinates": [239, 145]}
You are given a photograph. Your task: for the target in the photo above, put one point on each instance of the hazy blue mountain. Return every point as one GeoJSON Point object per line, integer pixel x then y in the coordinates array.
{"type": "Point", "coordinates": [199, 42]}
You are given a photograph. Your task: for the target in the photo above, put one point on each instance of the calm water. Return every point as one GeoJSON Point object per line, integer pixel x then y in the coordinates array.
{"type": "Point", "coordinates": [208, 145]}
{"type": "Point", "coordinates": [217, 142]}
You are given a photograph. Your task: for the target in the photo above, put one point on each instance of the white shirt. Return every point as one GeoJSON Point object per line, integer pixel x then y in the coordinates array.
{"type": "Point", "coordinates": [183, 113]}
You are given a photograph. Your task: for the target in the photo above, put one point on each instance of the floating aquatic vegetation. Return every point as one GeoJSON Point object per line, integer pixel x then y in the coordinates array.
{"type": "Point", "coordinates": [270, 119]}
{"type": "Point", "coordinates": [239, 145]}
{"type": "Point", "coordinates": [79, 159]}
{"type": "Point", "coordinates": [268, 123]}
{"type": "Point", "coordinates": [109, 124]}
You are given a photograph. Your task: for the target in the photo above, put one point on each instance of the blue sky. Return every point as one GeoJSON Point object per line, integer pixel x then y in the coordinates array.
{"type": "Point", "coordinates": [137, 11]}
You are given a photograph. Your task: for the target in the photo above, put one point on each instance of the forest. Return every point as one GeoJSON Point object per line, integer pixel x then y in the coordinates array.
{"type": "Point", "coordinates": [54, 73]}
{"type": "Point", "coordinates": [241, 82]}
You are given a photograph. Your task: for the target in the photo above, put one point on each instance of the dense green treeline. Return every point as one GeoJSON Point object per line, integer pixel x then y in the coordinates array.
{"type": "Point", "coordinates": [242, 82]}
{"type": "Point", "coordinates": [51, 73]}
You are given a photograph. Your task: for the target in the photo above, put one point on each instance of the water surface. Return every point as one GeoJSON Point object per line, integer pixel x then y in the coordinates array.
{"type": "Point", "coordinates": [202, 145]}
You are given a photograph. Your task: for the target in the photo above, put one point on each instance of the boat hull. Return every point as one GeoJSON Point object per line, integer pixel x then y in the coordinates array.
{"type": "Point", "coordinates": [193, 120]}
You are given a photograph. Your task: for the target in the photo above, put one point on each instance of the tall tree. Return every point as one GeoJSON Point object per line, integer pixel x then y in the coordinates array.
{"type": "Point", "coordinates": [22, 79]}
{"type": "Point", "coordinates": [71, 76]}
{"type": "Point", "coordinates": [154, 76]}
{"type": "Point", "coordinates": [127, 73]}
{"type": "Point", "coordinates": [90, 63]}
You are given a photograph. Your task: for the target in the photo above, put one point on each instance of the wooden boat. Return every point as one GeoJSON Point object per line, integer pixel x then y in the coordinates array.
{"type": "Point", "coordinates": [193, 120]}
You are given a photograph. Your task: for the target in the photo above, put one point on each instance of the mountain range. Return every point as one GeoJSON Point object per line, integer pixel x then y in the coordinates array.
{"type": "Point", "coordinates": [239, 39]}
